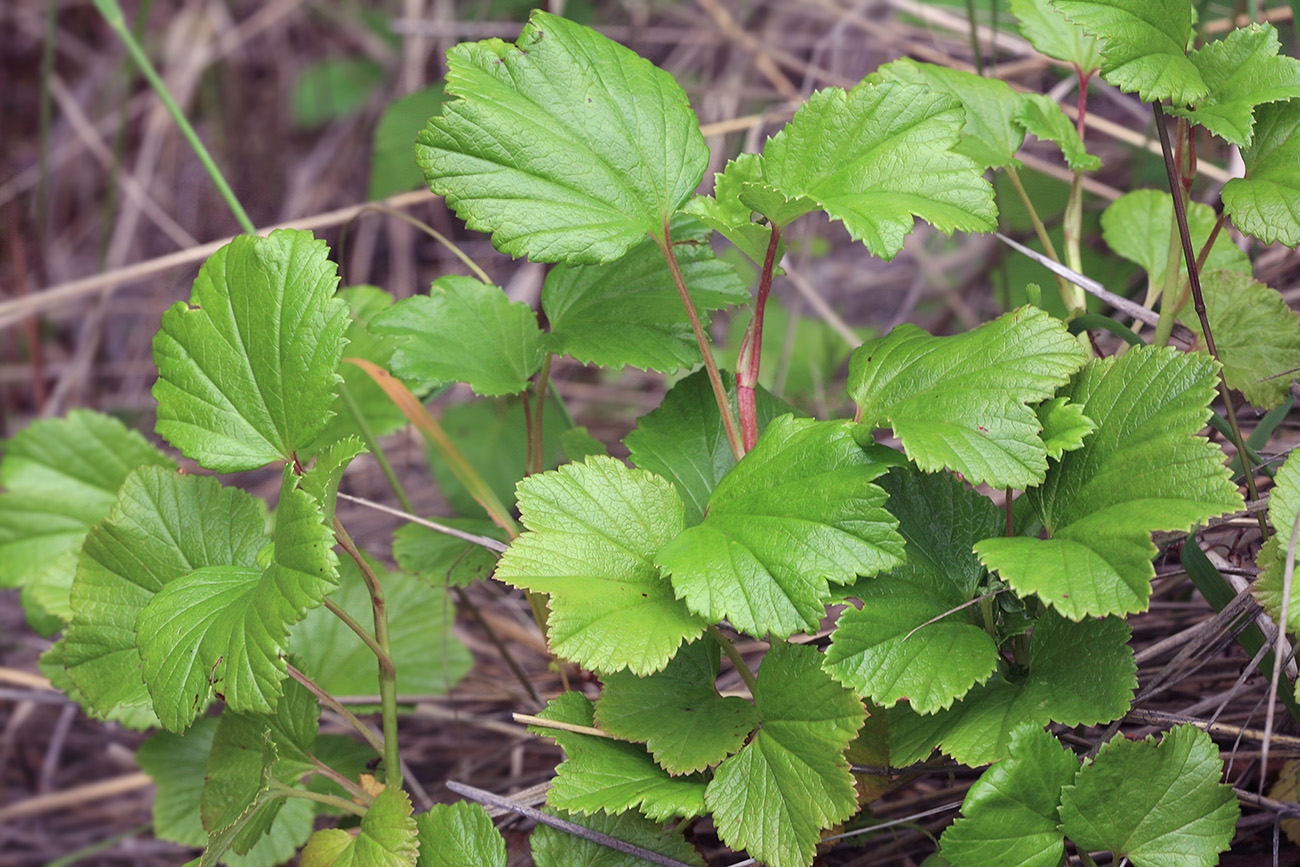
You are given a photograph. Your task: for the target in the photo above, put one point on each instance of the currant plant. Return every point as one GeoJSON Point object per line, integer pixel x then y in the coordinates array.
{"type": "Point", "coordinates": [957, 625]}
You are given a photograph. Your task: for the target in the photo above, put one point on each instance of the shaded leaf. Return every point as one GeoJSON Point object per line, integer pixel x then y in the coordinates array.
{"type": "Point", "coordinates": [444, 560]}
{"type": "Point", "coordinates": [554, 848]}
{"type": "Point", "coordinates": [1283, 507]}
{"type": "Point", "coordinates": [1266, 202]}
{"type": "Point", "coordinates": [392, 164]}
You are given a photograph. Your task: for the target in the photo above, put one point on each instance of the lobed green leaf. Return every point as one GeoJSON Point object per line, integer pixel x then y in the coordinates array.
{"type": "Point", "coordinates": [459, 835]}
{"type": "Point", "coordinates": [387, 838]}
{"type": "Point", "coordinates": [1266, 202]}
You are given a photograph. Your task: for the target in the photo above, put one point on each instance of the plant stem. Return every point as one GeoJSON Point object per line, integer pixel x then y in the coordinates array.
{"type": "Point", "coordinates": [515, 668]}
{"type": "Point", "coordinates": [320, 798]}
{"type": "Point", "coordinates": [1065, 287]}
{"type": "Point", "coordinates": [1073, 227]}
{"type": "Point", "coordinates": [387, 671]}
{"type": "Point", "coordinates": [715, 378]}
{"type": "Point", "coordinates": [343, 782]}
{"type": "Point", "coordinates": [1085, 858]}
{"type": "Point", "coordinates": [113, 15]}
{"type": "Point", "coordinates": [372, 443]}
{"type": "Point", "coordinates": [976, 53]}
{"type": "Point", "coordinates": [1198, 300]}
{"type": "Point", "coordinates": [433, 233]}
{"type": "Point", "coordinates": [536, 456]}
{"type": "Point", "coordinates": [333, 704]}
{"type": "Point", "coordinates": [350, 622]}
{"type": "Point", "coordinates": [734, 655]}
{"type": "Point", "coordinates": [751, 348]}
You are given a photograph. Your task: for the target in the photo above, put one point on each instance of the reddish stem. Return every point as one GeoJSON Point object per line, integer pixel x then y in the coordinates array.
{"type": "Point", "coordinates": [751, 348]}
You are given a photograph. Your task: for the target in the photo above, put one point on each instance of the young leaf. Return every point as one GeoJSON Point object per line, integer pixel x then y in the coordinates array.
{"type": "Point", "coordinates": [555, 848]}
{"type": "Point", "coordinates": [566, 146]}
{"type": "Point", "coordinates": [1256, 333]}
{"type": "Point", "coordinates": [1143, 469]}
{"type": "Point", "coordinates": [321, 482]}
{"type": "Point", "coordinates": [227, 627]}
{"type": "Point", "coordinates": [1241, 71]}
{"type": "Point", "coordinates": [459, 835]}
{"type": "Point", "coordinates": [1065, 427]}
{"type": "Point", "coordinates": [1041, 116]}
{"type": "Point", "coordinates": [1137, 227]}
{"type": "Point", "coordinates": [1049, 31]}
{"type": "Point", "coordinates": [1076, 674]}
{"type": "Point", "coordinates": [464, 331]}
{"type": "Point", "coordinates": [163, 527]}
{"type": "Point", "coordinates": [387, 838]}
{"type": "Point", "coordinates": [1266, 202]}
{"type": "Point", "coordinates": [60, 477]}
{"type": "Point", "coordinates": [246, 370]}
{"type": "Point", "coordinates": [875, 157]}
{"type": "Point", "coordinates": [1143, 45]}
{"type": "Point", "coordinates": [791, 780]}
{"type": "Point", "coordinates": [444, 560]}
{"type": "Point", "coordinates": [677, 712]}
{"type": "Point", "coordinates": [600, 775]}
{"type": "Point", "coordinates": [1283, 506]}
{"type": "Point", "coordinates": [798, 512]}
{"type": "Point", "coordinates": [883, 651]}
{"type": "Point", "coordinates": [1009, 815]}
{"type": "Point", "coordinates": [594, 530]}
{"type": "Point", "coordinates": [684, 441]}
{"type": "Point", "coordinates": [726, 214]}
{"type": "Point", "coordinates": [628, 312]}
{"type": "Point", "coordinates": [1160, 805]}
{"type": "Point", "coordinates": [960, 402]}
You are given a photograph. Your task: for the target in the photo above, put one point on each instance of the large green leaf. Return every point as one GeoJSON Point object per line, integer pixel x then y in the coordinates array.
{"type": "Point", "coordinates": [387, 837]}
{"type": "Point", "coordinates": [904, 644]}
{"type": "Point", "coordinates": [552, 847]}
{"type": "Point", "coordinates": [1143, 45]}
{"type": "Point", "coordinates": [876, 157]}
{"type": "Point", "coordinates": [1242, 71]}
{"type": "Point", "coordinates": [684, 441]}
{"type": "Point", "coordinates": [1009, 815]}
{"type": "Point", "coordinates": [601, 775]}
{"type": "Point", "coordinates": [685, 724]}
{"type": "Point", "coordinates": [629, 312]}
{"type": "Point", "coordinates": [1075, 673]}
{"type": "Point", "coordinates": [1161, 805]}
{"type": "Point", "coordinates": [163, 527]}
{"type": "Point", "coordinates": [1283, 507]}
{"type": "Point", "coordinates": [797, 513]}
{"type": "Point", "coordinates": [1256, 333]}
{"type": "Point", "coordinates": [962, 402]}
{"type": "Point", "coordinates": [459, 835]}
{"type": "Point", "coordinates": [565, 146]}
{"type": "Point", "coordinates": [594, 528]}
{"type": "Point", "coordinates": [1144, 469]}
{"type": "Point", "coordinates": [226, 627]}
{"type": "Point", "coordinates": [791, 780]}
{"type": "Point", "coordinates": [246, 370]}
{"type": "Point", "coordinates": [1266, 202]}
{"type": "Point", "coordinates": [1049, 31]}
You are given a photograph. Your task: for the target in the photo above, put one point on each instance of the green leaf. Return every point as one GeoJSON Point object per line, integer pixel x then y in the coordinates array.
{"type": "Point", "coordinates": [684, 441]}
{"type": "Point", "coordinates": [334, 88]}
{"type": "Point", "coordinates": [392, 165]}
{"type": "Point", "coordinates": [594, 529]}
{"type": "Point", "coordinates": [60, 477]}
{"type": "Point", "coordinates": [1009, 815]}
{"type": "Point", "coordinates": [1161, 805]}
{"type": "Point", "coordinates": [459, 835]}
{"type": "Point", "coordinates": [163, 527]}
{"type": "Point", "coordinates": [227, 627]}
{"type": "Point", "coordinates": [1075, 674]}
{"type": "Point", "coordinates": [629, 312]}
{"type": "Point", "coordinates": [726, 214]}
{"type": "Point", "coordinates": [1041, 116]}
{"type": "Point", "coordinates": [685, 724]}
{"type": "Point", "coordinates": [464, 331]}
{"type": "Point", "coordinates": [554, 848]}
{"type": "Point", "coordinates": [246, 370]}
{"type": "Point", "coordinates": [566, 146]}
{"type": "Point", "coordinates": [177, 764]}
{"type": "Point", "coordinates": [1266, 202]}
{"type": "Point", "coordinates": [578, 443]}
{"type": "Point", "coordinates": [430, 660]}
{"type": "Point", "coordinates": [1283, 506]}
{"type": "Point", "coordinates": [1242, 71]}
{"type": "Point", "coordinates": [797, 513]}
{"type": "Point", "coordinates": [1144, 469]}
{"type": "Point", "coordinates": [1256, 333]}
{"type": "Point", "coordinates": [444, 560]}
{"type": "Point", "coordinates": [600, 775]}
{"type": "Point", "coordinates": [1143, 45]}
{"type": "Point", "coordinates": [322, 480]}
{"type": "Point", "coordinates": [991, 136]}
{"type": "Point", "coordinates": [1065, 427]}
{"type": "Point", "coordinates": [1137, 227]}
{"type": "Point", "coordinates": [387, 838]}
{"type": "Point", "coordinates": [897, 164]}
{"type": "Point", "coordinates": [791, 780]}
{"type": "Point", "coordinates": [960, 402]}
{"type": "Point", "coordinates": [889, 650]}
{"type": "Point", "coordinates": [1049, 31]}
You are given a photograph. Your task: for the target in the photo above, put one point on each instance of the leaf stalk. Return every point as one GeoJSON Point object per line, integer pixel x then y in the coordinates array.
{"type": "Point", "coordinates": [751, 348]}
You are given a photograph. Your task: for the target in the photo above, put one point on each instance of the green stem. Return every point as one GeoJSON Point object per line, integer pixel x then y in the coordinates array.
{"type": "Point", "coordinates": [1198, 299]}
{"type": "Point", "coordinates": [1073, 228]}
{"type": "Point", "coordinates": [435, 235]}
{"type": "Point", "coordinates": [372, 444]}
{"type": "Point", "coordinates": [333, 704]}
{"type": "Point", "coordinates": [319, 797]}
{"type": "Point", "coordinates": [974, 38]}
{"type": "Point", "coordinates": [1170, 304]}
{"type": "Point", "coordinates": [1049, 249]}
{"type": "Point", "coordinates": [751, 349]}
{"type": "Point", "coordinates": [387, 671]}
{"type": "Point", "coordinates": [536, 454]}
{"type": "Point", "coordinates": [350, 622]}
{"type": "Point", "coordinates": [112, 13]}
{"type": "Point", "coordinates": [1085, 858]}
{"type": "Point", "coordinates": [715, 378]}
{"type": "Point", "coordinates": [343, 782]}
{"type": "Point", "coordinates": [736, 659]}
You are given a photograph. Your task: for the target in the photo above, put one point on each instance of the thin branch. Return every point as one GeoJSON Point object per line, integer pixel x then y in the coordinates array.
{"type": "Point", "coordinates": [530, 720]}
{"type": "Point", "coordinates": [484, 541]}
